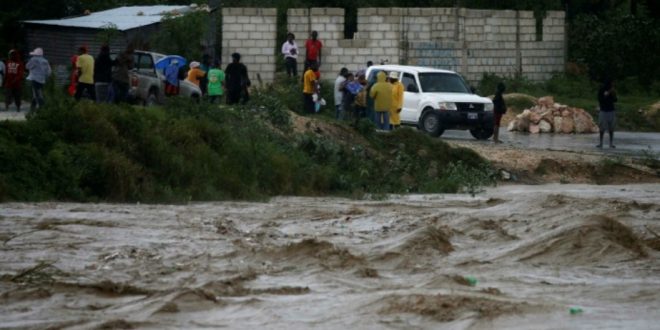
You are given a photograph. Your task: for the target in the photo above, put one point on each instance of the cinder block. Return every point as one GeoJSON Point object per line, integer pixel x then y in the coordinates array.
{"type": "Point", "coordinates": [240, 35]}
{"type": "Point", "coordinates": [229, 19]}
{"type": "Point", "coordinates": [255, 20]}
{"type": "Point", "coordinates": [255, 35]}
{"type": "Point", "coordinates": [384, 11]}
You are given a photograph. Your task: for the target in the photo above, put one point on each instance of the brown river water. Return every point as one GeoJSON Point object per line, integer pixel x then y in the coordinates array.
{"type": "Point", "coordinates": [513, 257]}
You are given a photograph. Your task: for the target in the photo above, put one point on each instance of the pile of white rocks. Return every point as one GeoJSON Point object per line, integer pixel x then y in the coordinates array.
{"type": "Point", "coordinates": [550, 117]}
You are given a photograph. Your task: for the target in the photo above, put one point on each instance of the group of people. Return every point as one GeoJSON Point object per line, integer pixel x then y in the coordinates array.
{"type": "Point", "coordinates": [101, 79]}
{"type": "Point", "coordinates": [12, 73]}
{"type": "Point", "coordinates": [212, 80]}
{"type": "Point", "coordinates": [380, 101]}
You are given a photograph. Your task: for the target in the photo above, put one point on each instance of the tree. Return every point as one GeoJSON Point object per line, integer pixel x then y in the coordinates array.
{"type": "Point", "coordinates": [182, 34]}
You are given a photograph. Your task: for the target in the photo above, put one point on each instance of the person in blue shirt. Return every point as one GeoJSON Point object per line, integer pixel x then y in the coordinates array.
{"type": "Point", "coordinates": [172, 78]}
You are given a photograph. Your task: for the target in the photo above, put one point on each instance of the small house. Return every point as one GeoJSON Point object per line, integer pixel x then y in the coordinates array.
{"type": "Point", "coordinates": [61, 38]}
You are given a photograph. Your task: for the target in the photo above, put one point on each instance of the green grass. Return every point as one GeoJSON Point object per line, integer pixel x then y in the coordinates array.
{"type": "Point", "coordinates": [184, 151]}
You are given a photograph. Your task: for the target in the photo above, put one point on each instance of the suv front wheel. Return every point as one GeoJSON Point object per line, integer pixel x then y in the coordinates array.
{"type": "Point", "coordinates": [482, 133]}
{"type": "Point", "coordinates": [431, 124]}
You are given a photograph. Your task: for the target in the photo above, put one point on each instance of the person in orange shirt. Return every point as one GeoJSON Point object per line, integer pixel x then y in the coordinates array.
{"type": "Point", "coordinates": [195, 74]}
{"type": "Point", "coordinates": [397, 100]}
{"type": "Point", "coordinates": [310, 87]}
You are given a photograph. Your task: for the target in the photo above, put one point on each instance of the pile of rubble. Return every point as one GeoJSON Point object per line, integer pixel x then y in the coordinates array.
{"type": "Point", "coordinates": [550, 117]}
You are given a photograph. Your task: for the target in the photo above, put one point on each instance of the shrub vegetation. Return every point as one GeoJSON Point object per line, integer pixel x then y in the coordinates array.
{"type": "Point", "coordinates": [187, 151]}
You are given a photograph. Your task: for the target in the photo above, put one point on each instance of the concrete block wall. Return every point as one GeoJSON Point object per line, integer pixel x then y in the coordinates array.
{"type": "Point", "coordinates": [252, 33]}
{"type": "Point", "coordinates": [329, 23]}
{"type": "Point", "coordinates": [491, 44]}
{"type": "Point", "coordinates": [541, 58]}
{"type": "Point", "coordinates": [472, 42]}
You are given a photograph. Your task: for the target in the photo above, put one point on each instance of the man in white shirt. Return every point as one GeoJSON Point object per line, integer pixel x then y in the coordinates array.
{"type": "Point", "coordinates": [339, 93]}
{"type": "Point", "coordinates": [290, 52]}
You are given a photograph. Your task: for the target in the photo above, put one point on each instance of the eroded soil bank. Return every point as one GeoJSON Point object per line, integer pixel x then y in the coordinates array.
{"type": "Point", "coordinates": [513, 257]}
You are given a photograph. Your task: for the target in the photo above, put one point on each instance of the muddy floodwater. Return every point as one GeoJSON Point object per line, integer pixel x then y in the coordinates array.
{"type": "Point", "coordinates": [513, 257]}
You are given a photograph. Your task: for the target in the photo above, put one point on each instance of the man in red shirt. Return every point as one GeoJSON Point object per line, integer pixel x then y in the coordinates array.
{"type": "Point", "coordinates": [313, 49]}
{"type": "Point", "coordinates": [14, 79]}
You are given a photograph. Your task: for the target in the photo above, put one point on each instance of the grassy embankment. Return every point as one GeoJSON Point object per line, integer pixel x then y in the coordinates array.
{"type": "Point", "coordinates": [184, 151]}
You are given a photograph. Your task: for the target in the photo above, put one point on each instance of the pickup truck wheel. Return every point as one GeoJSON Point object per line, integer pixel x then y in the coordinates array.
{"type": "Point", "coordinates": [431, 124]}
{"type": "Point", "coordinates": [151, 100]}
{"type": "Point", "coordinates": [482, 133]}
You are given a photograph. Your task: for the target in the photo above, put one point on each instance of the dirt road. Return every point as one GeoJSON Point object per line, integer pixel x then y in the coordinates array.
{"type": "Point", "coordinates": [514, 257]}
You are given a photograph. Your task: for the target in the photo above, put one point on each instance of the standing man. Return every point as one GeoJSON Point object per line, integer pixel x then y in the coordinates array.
{"type": "Point", "coordinates": [381, 92]}
{"type": "Point", "coordinates": [120, 76]}
{"type": "Point", "coordinates": [290, 52]}
{"type": "Point", "coordinates": [205, 67]}
{"type": "Point", "coordinates": [606, 118]}
{"type": "Point", "coordinates": [397, 100]}
{"type": "Point", "coordinates": [39, 71]}
{"type": "Point", "coordinates": [195, 75]}
{"type": "Point", "coordinates": [236, 75]}
{"type": "Point", "coordinates": [85, 66]}
{"type": "Point", "coordinates": [499, 109]}
{"type": "Point", "coordinates": [309, 88]}
{"type": "Point", "coordinates": [2, 72]}
{"type": "Point", "coordinates": [15, 70]}
{"type": "Point", "coordinates": [339, 93]}
{"type": "Point", "coordinates": [103, 75]}
{"type": "Point", "coordinates": [313, 48]}
{"type": "Point", "coordinates": [216, 85]}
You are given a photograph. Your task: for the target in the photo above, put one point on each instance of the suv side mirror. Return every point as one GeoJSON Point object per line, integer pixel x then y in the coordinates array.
{"type": "Point", "coordinates": [412, 88]}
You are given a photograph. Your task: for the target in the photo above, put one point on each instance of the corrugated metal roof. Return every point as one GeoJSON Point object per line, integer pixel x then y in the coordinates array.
{"type": "Point", "coordinates": [125, 18]}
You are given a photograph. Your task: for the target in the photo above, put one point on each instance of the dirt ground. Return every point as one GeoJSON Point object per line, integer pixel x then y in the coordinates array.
{"type": "Point", "coordinates": [553, 166]}
{"type": "Point", "coordinates": [514, 257]}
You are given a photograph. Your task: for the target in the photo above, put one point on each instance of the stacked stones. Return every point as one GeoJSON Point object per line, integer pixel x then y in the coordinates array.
{"type": "Point", "coordinates": [550, 117]}
{"type": "Point", "coordinates": [252, 33]}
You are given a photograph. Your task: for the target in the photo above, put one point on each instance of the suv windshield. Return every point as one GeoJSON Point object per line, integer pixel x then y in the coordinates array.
{"type": "Point", "coordinates": [438, 82]}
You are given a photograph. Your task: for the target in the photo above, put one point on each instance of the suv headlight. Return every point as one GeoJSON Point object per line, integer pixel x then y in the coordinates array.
{"type": "Point", "coordinates": [447, 106]}
{"type": "Point", "coordinates": [488, 107]}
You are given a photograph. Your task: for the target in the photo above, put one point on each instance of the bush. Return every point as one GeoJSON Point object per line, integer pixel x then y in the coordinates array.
{"type": "Point", "coordinates": [196, 151]}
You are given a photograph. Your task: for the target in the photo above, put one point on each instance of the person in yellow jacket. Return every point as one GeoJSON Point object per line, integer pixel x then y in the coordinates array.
{"type": "Point", "coordinates": [397, 100]}
{"type": "Point", "coordinates": [381, 92]}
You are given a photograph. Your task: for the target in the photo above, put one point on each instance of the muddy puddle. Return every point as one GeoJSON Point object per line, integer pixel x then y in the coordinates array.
{"type": "Point", "coordinates": [514, 257]}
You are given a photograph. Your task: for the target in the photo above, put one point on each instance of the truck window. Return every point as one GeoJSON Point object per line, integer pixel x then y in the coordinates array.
{"type": "Point", "coordinates": [408, 80]}
{"type": "Point", "coordinates": [145, 64]}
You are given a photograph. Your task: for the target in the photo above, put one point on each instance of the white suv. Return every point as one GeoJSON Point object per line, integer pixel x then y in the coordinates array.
{"type": "Point", "coordinates": [435, 100]}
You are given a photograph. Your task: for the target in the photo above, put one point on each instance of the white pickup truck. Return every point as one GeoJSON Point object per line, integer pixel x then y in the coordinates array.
{"type": "Point", "coordinates": [148, 84]}
{"type": "Point", "coordinates": [435, 100]}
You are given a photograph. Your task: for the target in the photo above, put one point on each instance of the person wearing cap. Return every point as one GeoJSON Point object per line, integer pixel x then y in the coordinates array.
{"type": "Point", "coordinates": [14, 73]}
{"type": "Point", "coordinates": [313, 48]}
{"type": "Point", "coordinates": [397, 100]}
{"type": "Point", "coordinates": [103, 75]}
{"type": "Point", "coordinates": [237, 80]}
{"type": "Point", "coordinates": [290, 52]}
{"type": "Point", "coordinates": [85, 66]}
{"type": "Point", "coordinates": [195, 74]}
{"type": "Point", "coordinates": [381, 92]}
{"type": "Point", "coordinates": [216, 82]}
{"type": "Point", "coordinates": [39, 71]}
